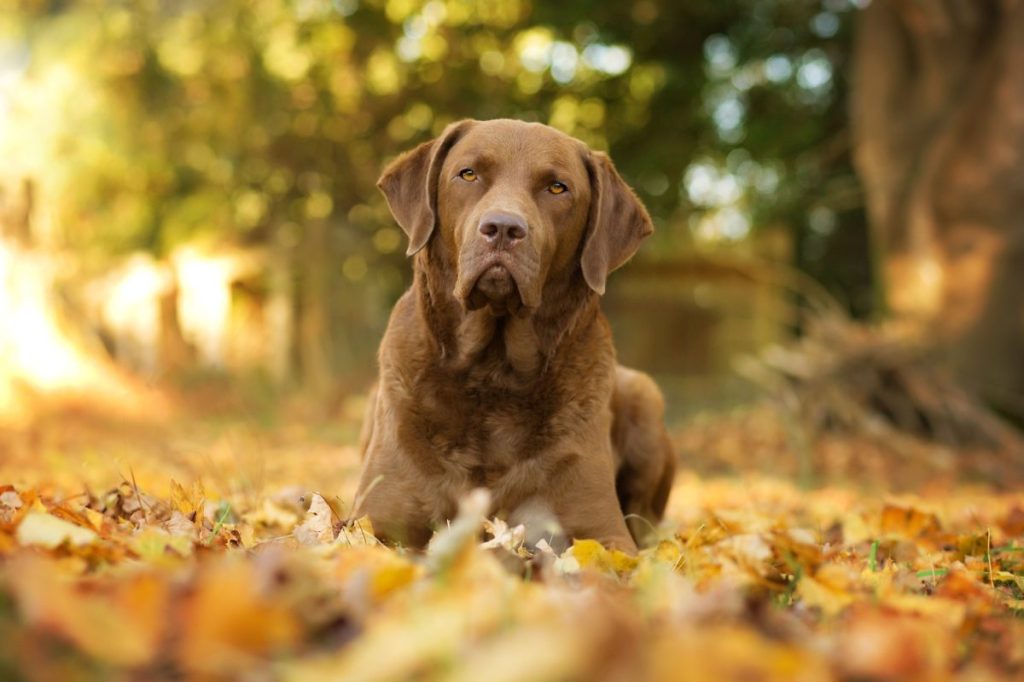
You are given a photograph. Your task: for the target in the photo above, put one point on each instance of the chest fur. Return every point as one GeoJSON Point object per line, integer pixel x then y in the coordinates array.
{"type": "Point", "coordinates": [492, 405]}
{"type": "Point", "coordinates": [485, 426]}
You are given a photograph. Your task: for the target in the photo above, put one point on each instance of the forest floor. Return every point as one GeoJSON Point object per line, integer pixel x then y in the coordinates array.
{"type": "Point", "coordinates": [209, 546]}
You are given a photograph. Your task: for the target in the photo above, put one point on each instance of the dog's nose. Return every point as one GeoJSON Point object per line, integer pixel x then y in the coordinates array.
{"type": "Point", "coordinates": [502, 230]}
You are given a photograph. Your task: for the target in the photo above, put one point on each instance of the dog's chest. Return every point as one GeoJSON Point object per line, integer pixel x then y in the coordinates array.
{"type": "Point", "coordinates": [478, 433]}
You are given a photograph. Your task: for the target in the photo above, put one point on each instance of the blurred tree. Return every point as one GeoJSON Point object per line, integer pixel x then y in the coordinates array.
{"type": "Point", "coordinates": [153, 124]}
{"type": "Point", "coordinates": [938, 118]}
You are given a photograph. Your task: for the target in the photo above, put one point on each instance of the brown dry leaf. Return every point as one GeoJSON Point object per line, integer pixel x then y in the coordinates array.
{"type": "Point", "coordinates": [877, 644]}
{"type": "Point", "coordinates": [967, 590]}
{"type": "Point", "coordinates": [318, 526]}
{"type": "Point", "coordinates": [179, 524]}
{"type": "Point", "coordinates": [907, 522]}
{"type": "Point", "coordinates": [1013, 523]}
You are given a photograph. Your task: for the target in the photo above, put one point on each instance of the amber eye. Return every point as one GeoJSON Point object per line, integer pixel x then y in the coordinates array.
{"type": "Point", "coordinates": [557, 187]}
{"type": "Point", "coordinates": [468, 174]}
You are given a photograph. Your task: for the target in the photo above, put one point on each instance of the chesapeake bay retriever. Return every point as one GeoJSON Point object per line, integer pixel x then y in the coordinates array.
{"type": "Point", "coordinates": [497, 368]}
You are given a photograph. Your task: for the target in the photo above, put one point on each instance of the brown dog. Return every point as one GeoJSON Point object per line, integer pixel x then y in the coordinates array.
{"type": "Point", "coordinates": [497, 368]}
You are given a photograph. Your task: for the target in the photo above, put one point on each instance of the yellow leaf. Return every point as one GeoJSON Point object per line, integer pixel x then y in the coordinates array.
{"type": "Point", "coordinates": [188, 501]}
{"type": "Point", "coordinates": [856, 530]}
{"type": "Point", "coordinates": [592, 554]}
{"type": "Point", "coordinates": [391, 577]}
{"type": "Point", "coordinates": [121, 623]}
{"type": "Point", "coordinates": [936, 609]}
{"type": "Point", "coordinates": [153, 543]}
{"type": "Point", "coordinates": [95, 518]}
{"type": "Point", "coordinates": [230, 618]}
{"type": "Point", "coordinates": [43, 530]}
{"type": "Point", "coordinates": [669, 551]}
{"type": "Point", "coordinates": [829, 599]}
{"type": "Point", "coordinates": [272, 514]}
{"type": "Point", "coordinates": [358, 533]}
{"type": "Point", "coordinates": [376, 569]}
{"type": "Point", "coordinates": [622, 562]}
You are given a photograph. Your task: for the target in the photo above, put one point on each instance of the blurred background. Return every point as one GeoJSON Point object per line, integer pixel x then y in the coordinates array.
{"type": "Point", "coordinates": [189, 224]}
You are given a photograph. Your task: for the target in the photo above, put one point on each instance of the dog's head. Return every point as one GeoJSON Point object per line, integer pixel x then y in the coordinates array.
{"type": "Point", "coordinates": [516, 204]}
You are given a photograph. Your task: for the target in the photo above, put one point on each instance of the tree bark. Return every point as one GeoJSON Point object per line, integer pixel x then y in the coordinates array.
{"type": "Point", "coordinates": [938, 124]}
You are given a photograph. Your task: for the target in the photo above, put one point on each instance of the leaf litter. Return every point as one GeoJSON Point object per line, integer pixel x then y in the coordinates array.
{"type": "Point", "coordinates": [749, 578]}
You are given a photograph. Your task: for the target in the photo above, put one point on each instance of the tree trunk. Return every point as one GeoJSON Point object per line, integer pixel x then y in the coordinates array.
{"type": "Point", "coordinates": [938, 123]}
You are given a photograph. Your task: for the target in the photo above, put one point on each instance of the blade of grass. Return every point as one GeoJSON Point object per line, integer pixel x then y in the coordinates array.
{"type": "Point", "coordinates": [933, 573]}
{"type": "Point", "coordinates": [225, 509]}
{"type": "Point", "coordinates": [991, 572]}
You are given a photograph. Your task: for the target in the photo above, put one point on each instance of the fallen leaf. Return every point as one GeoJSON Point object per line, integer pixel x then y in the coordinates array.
{"type": "Point", "coordinates": [273, 514]}
{"type": "Point", "coordinates": [43, 530]}
{"type": "Point", "coordinates": [189, 501]}
{"type": "Point", "coordinates": [357, 533]}
{"type": "Point", "coordinates": [318, 526]}
{"type": "Point", "coordinates": [828, 589]}
{"type": "Point", "coordinates": [10, 499]}
{"type": "Point", "coordinates": [874, 644]}
{"type": "Point", "coordinates": [907, 522]}
{"type": "Point", "coordinates": [592, 554]}
{"type": "Point", "coordinates": [120, 623]}
{"type": "Point", "coordinates": [231, 622]}
{"type": "Point", "coordinates": [503, 536]}
{"type": "Point", "coordinates": [450, 543]}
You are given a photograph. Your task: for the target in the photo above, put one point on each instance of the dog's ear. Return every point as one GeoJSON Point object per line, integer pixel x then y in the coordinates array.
{"type": "Point", "coordinates": [617, 223]}
{"type": "Point", "coordinates": [409, 184]}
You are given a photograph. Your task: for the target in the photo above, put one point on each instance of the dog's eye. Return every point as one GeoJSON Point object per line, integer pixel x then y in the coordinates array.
{"type": "Point", "coordinates": [468, 174]}
{"type": "Point", "coordinates": [557, 187]}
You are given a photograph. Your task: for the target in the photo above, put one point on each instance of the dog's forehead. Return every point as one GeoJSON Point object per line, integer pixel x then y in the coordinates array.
{"type": "Point", "coordinates": [533, 144]}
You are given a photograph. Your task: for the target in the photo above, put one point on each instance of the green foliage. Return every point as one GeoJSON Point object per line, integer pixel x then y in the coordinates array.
{"type": "Point", "coordinates": [150, 124]}
{"type": "Point", "coordinates": [233, 118]}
